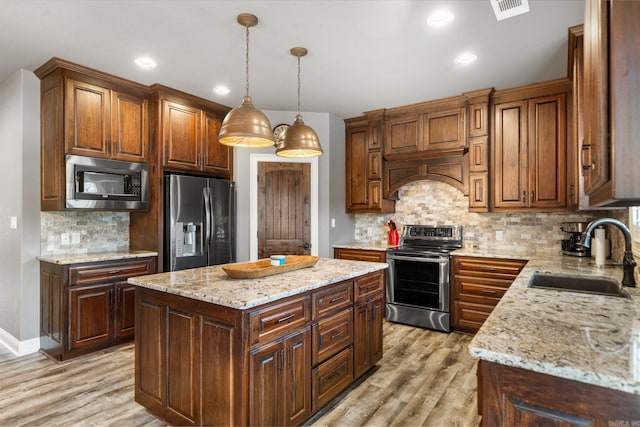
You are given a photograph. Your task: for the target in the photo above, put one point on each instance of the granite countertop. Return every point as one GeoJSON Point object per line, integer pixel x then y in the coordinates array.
{"type": "Point", "coordinates": [368, 246]}
{"type": "Point", "coordinates": [96, 257]}
{"type": "Point", "coordinates": [211, 284]}
{"type": "Point", "coordinates": [589, 338]}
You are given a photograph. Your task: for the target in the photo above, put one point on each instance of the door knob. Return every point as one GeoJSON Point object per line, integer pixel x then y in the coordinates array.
{"type": "Point", "coordinates": [306, 246]}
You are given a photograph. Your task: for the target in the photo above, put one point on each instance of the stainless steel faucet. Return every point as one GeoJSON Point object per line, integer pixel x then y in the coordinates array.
{"type": "Point", "coordinates": [628, 263]}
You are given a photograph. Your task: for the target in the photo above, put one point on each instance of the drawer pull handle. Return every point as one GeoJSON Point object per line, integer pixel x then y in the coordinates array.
{"type": "Point", "coordinates": [372, 287]}
{"type": "Point", "coordinates": [115, 271]}
{"type": "Point", "coordinates": [284, 319]}
{"type": "Point", "coordinates": [334, 300]}
{"type": "Point", "coordinates": [336, 335]}
{"type": "Point", "coordinates": [488, 292]}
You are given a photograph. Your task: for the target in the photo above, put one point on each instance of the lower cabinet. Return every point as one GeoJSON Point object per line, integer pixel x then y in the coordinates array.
{"type": "Point", "coordinates": [87, 307]}
{"type": "Point", "coordinates": [199, 363]}
{"type": "Point", "coordinates": [477, 285]}
{"type": "Point", "coordinates": [509, 396]}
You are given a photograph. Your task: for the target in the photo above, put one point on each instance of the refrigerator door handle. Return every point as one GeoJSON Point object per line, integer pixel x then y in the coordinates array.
{"type": "Point", "coordinates": [207, 216]}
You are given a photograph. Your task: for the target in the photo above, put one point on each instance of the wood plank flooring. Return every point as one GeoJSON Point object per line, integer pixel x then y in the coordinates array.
{"type": "Point", "coordinates": [424, 378]}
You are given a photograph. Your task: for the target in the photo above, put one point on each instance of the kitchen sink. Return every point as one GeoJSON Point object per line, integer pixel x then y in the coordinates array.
{"type": "Point", "coordinates": [582, 284]}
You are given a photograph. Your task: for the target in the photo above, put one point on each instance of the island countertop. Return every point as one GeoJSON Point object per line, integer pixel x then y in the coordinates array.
{"type": "Point", "coordinates": [594, 339]}
{"type": "Point", "coordinates": [211, 284]}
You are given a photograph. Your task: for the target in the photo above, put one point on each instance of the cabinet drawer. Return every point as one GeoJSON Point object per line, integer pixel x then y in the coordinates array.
{"type": "Point", "coordinates": [109, 272]}
{"type": "Point", "coordinates": [332, 299]}
{"type": "Point", "coordinates": [479, 286]}
{"type": "Point", "coordinates": [368, 285]}
{"type": "Point", "coordinates": [360, 255]}
{"type": "Point", "coordinates": [276, 320]}
{"type": "Point", "coordinates": [332, 377]}
{"type": "Point", "coordinates": [331, 335]}
{"type": "Point", "coordinates": [489, 267]}
{"type": "Point", "coordinates": [470, 317]}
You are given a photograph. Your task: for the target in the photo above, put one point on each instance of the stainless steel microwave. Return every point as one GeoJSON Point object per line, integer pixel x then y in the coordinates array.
{"type": "Point", "coordinates": [104, 184]}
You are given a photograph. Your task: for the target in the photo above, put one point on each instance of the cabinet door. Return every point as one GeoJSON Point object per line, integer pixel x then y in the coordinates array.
{"type": "Point", "coordinates": [87, 119]}
{"type": "Point", "coordinates": [265, 377]}
{"type": "Point", "coordinates": [376, 311]}
{"type": "Point", "coordinates": [130, 127]}
{"type": "Point", "coordinates": [361, 330]}
{"type": "Point", "coordinates": [547, 145]}
{"type": "Point", "coordinates": [181, 127]}
{"type": "Point", "coordinates": [297, 378]}
{"type": "Point", "coordinates": [478, 192]}
{"type": "Point", "coordinates": [356, 174]}
{"type": "Point", "coordinates": [403, 134]}
{"type": "Point", "coordinates": [510, 155]}
{"type": "Point", "coordinates": [91, 315]}
{"type": "Point", "coordinates": [217, 158]}
{"type": "Point", "coordinates": [595, 155]}
{"type": "Point", "coordinates": [444, 130]}
{"type": "Point", "coordinates": [125, 309]}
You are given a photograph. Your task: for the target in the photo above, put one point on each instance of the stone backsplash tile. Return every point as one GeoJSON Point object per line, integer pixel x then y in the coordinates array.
{"type": "Point", "coordinates": [93, 232]}
{"type": "Point", "coordinates": [437, 203]}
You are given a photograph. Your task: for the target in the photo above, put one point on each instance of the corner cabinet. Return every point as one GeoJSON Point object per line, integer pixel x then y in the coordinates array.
{"type": "Point", "coordinates": [275, 364]}
{"type": "Point", "coordinates": [364, 165]}
{"type": "Point", "coordinates": [88, 113]}
{"type": "Point", "coordinates": [529, 162]}
{"type": "Point", "coordinates": [88, 307]}
{"type": "Point", "coordinates": [609, 153]}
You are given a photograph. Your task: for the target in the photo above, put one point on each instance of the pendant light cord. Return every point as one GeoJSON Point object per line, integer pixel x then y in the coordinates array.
{"type": "Point", "coordinates": [298, 85]}
{"type": "Point", "coordinates": [246, 85]}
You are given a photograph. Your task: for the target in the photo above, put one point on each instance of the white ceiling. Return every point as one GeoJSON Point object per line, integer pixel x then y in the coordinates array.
{"type": "Point", "coordinates": [363, 54]}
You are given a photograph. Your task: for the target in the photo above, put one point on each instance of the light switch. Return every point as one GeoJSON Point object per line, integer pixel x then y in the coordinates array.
{"type": "Point", "coordinates": [13, 222]}
{"type": "Point", "coordinates": [499, 235]}
{"type": "Point", "coordinates": [75, 238]}
{"type": "Point", "coordinates": [64, 239]}
{"type": "Point", "coordinates": [333, 223]}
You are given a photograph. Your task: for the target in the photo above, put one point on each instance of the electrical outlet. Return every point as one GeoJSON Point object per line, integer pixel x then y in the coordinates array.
{"type": "Point", "coordinates": [499, 235]}
{"type": "Point", "coordinates": [75, 238]}
{"type": "Point", "coordinates": [13, 222]}
{"type": "Point", "coordinates": [333, 223]}
{"type": "Point", "coordinates": [64, 239]}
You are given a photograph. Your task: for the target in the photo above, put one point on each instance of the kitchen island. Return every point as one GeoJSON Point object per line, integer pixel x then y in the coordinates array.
{"type": "Point", "coordinates": [211, 350]}
{"type": "Point", "coordinates": [558, 356]}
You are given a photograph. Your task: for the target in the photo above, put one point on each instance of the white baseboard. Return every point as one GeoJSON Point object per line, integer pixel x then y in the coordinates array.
{"type": "Point", "coordinates": [17, 347]}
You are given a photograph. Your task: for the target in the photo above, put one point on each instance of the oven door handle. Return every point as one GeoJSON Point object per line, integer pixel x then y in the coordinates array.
{"type": "Point", "coordinates": [419, 258]}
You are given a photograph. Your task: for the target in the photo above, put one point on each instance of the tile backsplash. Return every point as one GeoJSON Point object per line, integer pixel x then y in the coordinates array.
{"type": "Point", "coordinates": [87, 232]}
{"type": "Point", "coordinates": [437, 203]}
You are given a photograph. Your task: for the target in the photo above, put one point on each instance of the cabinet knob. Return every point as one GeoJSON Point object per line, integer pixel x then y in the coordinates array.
{"type": "Point", "coordinates": [524, 196]}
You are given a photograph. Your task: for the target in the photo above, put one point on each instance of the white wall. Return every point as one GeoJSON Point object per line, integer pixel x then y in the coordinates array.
{"type": "Point", "coordinates": [330, 130]}
{"type": "Point", "coordinates": [20, 195]}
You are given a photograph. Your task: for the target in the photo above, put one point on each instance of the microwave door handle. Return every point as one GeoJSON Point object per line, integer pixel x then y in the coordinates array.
{"type": "Point", "coordinates": [207, 216]}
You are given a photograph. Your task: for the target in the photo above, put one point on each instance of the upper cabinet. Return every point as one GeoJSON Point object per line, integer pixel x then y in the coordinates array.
{"type": "Point", "coordinates": [610, 149]}
{"type": "Point", "coordinates": [478, 138]}
{"type": "Point", "coordinates": [364, 164]}
{"type": "Point", "coordinates": [89, 113]}
{"type": "Point", "coordinates": [188, 133]}
{"type": "Point", "coordinates": [530, 147]}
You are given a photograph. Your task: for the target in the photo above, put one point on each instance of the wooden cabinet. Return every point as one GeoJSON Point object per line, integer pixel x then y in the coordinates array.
{"type": "Point", "coordinates": [360, 254]}
{"type": "Point", "coordinates": [478, 141]}
{"type": "Point", "coordinates": [611, 92]}
{"type": "Point", "coordinates": [274, 364]}
{"type": "Point", "coordinates": [89, 113]}
{"type": "Point", "coordinates": [530, 147]}
{"type": "Point", "coordinates": [188, 134]}
{"type": "Point", "coordinates": [364, 165]}
{"type": "Point", "coordinates": [477, 286]}
{"type": "Point", "coordinates": [515, 396]}
{"type": "Point", "coordinates": [86, 307]}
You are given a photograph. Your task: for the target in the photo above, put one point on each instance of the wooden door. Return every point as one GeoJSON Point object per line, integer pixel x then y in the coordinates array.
{"type": "Point", "coordinates": [130, 127]}
{"type": "Point", "coordinates": [284, 209]}
{"type": "Point", "coordinates": [217, 158]}
{"type": "Point", "coordinates": [91, 315]}
{"type": "Point", "coordinates": [361, 354]}
{"type": "Point", "coordinates": [595, 155]}
{"type": "Point", "coordinates": [87, 119]}
{"type": "Point", "coordinates": [297, 379]}
{"type": "Point", "coordinates": [125, 311]}
{"type": "Point", "coordinates": [547, 145]}
{"type": "Point", "coordinates": [510, 155]}
{"type": "Point", "coordinates": [356, 173]}
{"type": "Point", "coordinates": [180, 136]}
{"type": "Point", "coordinates": [376, 308]}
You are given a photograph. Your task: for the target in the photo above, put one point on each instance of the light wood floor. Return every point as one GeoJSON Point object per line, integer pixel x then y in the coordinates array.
{"type": "Point", "coordinates": [425, 378]}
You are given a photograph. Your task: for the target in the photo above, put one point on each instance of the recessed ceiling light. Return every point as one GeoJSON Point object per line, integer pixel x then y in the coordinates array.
{"type": "Point", "coordinates": [145, 62]}
{"type": "Point", "coordinates": [440, 18]}
{"type": "Point", "coordinates": [466, 58]}
{"type": "Point", "coordinates": [221, 90]}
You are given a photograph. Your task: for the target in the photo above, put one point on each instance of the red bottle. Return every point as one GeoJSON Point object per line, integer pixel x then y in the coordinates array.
{"type": "Point", "coordinates": [394, 238]}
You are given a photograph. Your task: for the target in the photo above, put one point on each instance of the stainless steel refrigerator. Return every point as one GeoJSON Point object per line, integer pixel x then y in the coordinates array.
{"type": "Point", "coordinates": [200, 227]}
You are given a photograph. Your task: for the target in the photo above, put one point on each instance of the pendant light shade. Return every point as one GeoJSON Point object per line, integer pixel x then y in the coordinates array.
{"type": "Point", "coordinates": [299, 140]}
{"type": "Point", "coordinates": [246, 126]}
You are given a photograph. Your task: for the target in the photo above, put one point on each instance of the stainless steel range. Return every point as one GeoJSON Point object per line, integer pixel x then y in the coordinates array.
{"type": "Point", "coordinates": [418, 289]}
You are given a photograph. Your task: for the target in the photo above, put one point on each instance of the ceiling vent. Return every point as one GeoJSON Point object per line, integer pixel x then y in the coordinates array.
{"type": "Point", "coordinates": [507, 8]}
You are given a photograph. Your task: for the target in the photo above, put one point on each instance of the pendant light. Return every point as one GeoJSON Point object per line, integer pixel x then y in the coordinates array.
{"type": "Point", "coordinates": [246, 126]}
{"type": "Point", "coordinates": [299, 140]}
